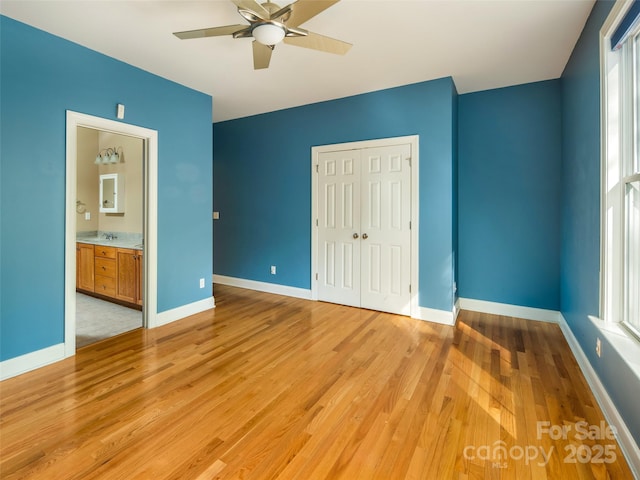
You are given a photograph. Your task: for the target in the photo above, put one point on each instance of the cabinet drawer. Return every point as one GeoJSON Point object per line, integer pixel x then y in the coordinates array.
{"type": "Point", "coordinates": [107, 252]}
{"type": "Point", "coordinates": [105, 285]}
{"type": "Point", "coordinates": [106, 267]}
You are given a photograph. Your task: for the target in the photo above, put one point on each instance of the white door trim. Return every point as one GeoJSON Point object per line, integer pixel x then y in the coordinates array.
{"type": "Point", "coordinates": [412, 140]}
{"type": "Point", "coordinates": [150, 139]}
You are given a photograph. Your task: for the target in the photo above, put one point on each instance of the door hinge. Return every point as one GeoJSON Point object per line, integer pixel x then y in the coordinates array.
{"type": "Point", "coordinates": [317, 222]}
{"type": "Point", "coordinates": [409, 158]}
{"type": "Point", "coordinates": [409, 224]}
{"type": "Point", "coordinates": [316, 276]}
{"type": "Point", "coordinates": [317, 168]}
{"type": "Point", "coordinates": [409, 288]}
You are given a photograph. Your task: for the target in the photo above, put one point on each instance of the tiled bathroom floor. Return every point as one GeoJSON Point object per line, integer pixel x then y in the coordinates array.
{"type": "Point", "coordinates": [97, 319]}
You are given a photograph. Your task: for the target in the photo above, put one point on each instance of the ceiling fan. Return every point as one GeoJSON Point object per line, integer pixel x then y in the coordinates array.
{"type": "Point", "coordinates": [269, 24]}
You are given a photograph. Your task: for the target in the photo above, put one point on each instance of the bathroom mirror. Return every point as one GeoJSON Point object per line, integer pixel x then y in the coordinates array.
{"type": "Point", "coordinates": [111, 193]}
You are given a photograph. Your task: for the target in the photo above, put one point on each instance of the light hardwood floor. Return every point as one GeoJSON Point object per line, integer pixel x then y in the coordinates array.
{"type": "Point", "coordinates": [267, 387]}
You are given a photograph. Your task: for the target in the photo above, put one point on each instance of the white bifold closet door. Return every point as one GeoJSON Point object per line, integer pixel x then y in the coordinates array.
{"type": "Point", "coordinates": [364, 228]}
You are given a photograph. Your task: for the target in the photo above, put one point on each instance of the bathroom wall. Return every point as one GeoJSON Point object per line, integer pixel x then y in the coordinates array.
{"type": "Point", "coordinates": [131, 220]}
{"type": "Point", "coordinates": [90, 142]}
{"type": "Point", "coordinates": [87, 180]}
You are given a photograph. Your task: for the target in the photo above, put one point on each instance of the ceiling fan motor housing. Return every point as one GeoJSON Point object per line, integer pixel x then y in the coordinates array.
{"type": "Point", "coordinates": [268, 33]}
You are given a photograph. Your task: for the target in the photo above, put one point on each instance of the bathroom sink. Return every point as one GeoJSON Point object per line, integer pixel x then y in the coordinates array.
{"type": "Point", "coordinates": [94, 240]}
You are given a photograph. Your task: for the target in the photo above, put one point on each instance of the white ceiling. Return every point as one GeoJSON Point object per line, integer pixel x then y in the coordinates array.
{"type": "Point", "coordinates": [482, 44]}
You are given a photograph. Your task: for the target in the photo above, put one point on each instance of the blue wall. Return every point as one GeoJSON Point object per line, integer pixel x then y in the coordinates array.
{"type": "Point", "coordinates": [580, 272]}
{"type": "Point", "coordinates": [455, 184]}
{"type": "Point", "coordinates": [262, 182]}
{"type": "Point", "coordinates": [509, 194]}
{"type": "Point", "coordinates": [41, 77]}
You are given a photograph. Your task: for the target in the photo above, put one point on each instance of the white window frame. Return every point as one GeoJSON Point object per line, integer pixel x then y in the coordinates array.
{"type": "Point", "coordinates": [618, 137]}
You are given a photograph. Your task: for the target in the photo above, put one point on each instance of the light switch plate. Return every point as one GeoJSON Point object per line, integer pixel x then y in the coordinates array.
{"type": "Point", "coordinates": [216, 215]}
{"type": "Point", "coordinates": [120, 111]}
{"type": "Point", "coordinates": [87, 215]}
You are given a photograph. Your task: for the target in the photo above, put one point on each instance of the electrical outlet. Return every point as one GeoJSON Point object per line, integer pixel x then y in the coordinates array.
{"type": "Point", "coordinates": [273, 269]}
{"type": "Point", "coordinates": [202, 283]}
{"type": "Point", "coordinates": [87, 215]}
{"type": "Point", "coordinates": [598, 347]}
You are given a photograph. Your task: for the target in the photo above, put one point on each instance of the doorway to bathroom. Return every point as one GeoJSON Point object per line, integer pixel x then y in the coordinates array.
{"type": "Point", "coordinates": [109, 238]}
{"type": "Point", "coordinates": [111, 225]}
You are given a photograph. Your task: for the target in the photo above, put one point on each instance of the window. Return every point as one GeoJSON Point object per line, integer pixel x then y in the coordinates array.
{"type": "Point", "coordinates": [632, 257]}
{"type": "Point", "coordinates": [621, 171]}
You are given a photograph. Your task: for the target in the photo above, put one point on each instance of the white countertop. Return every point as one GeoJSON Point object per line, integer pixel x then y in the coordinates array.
{"type": "Point", "coordinates": [116, 242]}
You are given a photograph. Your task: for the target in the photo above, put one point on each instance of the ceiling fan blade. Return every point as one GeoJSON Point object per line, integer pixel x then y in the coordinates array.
{"type": "Point", "coordinates": [296, 32]}
{"type": "Point", "coordinates": [281, 13]}
{"type": "Point", "coordinates": [210, 32]}
{"type": "Point", "coordinates": [319, 42]}
{"type": "Point", "coordinates": [261, 55]}
{"type": "Point", "coordinates": [304, 10]}
{"type": "Point", "coordinates": [244, 33]}
{"type": "Point", "coordinates": [254, 7]}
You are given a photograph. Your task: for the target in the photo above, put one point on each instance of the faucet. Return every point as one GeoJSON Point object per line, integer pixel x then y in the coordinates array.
{"type": "Point", "coordinates": [110, 236]}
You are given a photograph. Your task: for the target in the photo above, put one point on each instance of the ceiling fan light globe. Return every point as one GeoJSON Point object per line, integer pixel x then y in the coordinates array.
{"type": "Point", "coordinates": [268, 34]}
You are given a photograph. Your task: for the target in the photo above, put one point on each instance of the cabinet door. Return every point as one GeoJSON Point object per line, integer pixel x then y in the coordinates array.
{"type": "Point", "coordinates": [139, 278]}
{"type": "Point", "coordinates": [112, 193]}
{"type": "Point", "coordinates": [126, 286]}
{"type": "Point", "coordinates": [84, 267]}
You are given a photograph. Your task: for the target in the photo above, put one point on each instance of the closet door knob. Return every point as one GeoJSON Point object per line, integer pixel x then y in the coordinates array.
{"type": "Point", "coordinates": [365, 236]}
{"type": "Point", "coordinates": [355, 235]}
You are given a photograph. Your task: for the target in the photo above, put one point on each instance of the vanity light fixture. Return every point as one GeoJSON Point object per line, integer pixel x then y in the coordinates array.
{"type": "Point", "coordinates": [109, 155]}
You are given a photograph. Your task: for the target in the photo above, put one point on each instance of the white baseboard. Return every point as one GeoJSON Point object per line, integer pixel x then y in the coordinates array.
{"type": "Point", "coordinates": [178, 313]}
{"type": "Point", "coordinates": [427, 314]}
{"type": "Point", "coordinates": [30, 361]}
{"type": "Point", "coordinates": [625, 439]}
{"type": "Point", "coordinates": [263, 286]}
{"type": "Point", "coordinates": [40, 358]}
{"type": "Point", "coordinates": [528, 313]}
{"type": "Point", "coordinates": [437, 316]}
